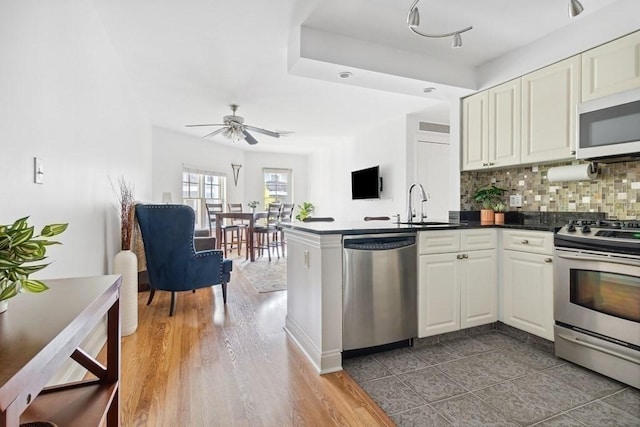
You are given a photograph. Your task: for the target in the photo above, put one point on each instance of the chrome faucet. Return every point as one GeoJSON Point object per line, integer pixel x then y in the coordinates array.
{"type": "Point", "coordinates": [423, 198]}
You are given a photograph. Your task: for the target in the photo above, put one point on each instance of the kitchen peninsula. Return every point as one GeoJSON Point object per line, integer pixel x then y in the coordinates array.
{"type": "Point", "coordinates": [315, 280]}
{"type": "Point", "coordinates": [314, 283]}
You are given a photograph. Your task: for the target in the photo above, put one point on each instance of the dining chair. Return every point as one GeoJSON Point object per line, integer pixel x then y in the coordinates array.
{"type": "Point", "coordinates": [241, 236]}
{"type": "Point", "coordinates": [286, 215]}
{"type": "Point", "coordinates": [267, 232]}
{"type": "Point", "coordinates": [212, 209]}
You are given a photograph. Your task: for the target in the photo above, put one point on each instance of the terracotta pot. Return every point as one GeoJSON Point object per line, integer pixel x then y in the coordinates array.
{"type": "Point", "coordinates": [499, 217]}
{"type": "Point", "coordinates": [486, 216]}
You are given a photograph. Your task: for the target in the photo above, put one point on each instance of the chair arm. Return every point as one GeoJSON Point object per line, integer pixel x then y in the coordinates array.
{"type": "Point", "coordinates": [208, 268]}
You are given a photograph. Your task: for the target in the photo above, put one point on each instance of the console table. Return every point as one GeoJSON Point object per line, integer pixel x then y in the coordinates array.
{"type": "Point", "coordinates": [38, 333]}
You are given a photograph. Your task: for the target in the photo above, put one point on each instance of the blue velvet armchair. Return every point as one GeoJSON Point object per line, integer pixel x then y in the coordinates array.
{"type": "Point", "coordinates": [173, 263]}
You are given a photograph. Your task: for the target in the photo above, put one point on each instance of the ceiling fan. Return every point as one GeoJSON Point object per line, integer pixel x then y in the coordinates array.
{"type": "Point", "coordinates": [233, 127]}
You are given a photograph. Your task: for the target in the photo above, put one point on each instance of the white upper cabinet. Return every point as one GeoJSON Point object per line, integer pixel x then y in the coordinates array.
{"type": "Point", "coordinates": [549, 100]}
{"type": "Point", "coordinates": [504, 124]}
{"type": "Point", "coordinates": [611, 68]}
{"type": "Point", "coordinates": [491, 127]}
{"type": "Point", "coordinates": [475, 133]}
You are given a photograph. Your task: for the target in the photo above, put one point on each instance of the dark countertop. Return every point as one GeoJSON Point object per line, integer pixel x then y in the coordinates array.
{"type": "Point", "coordinates": [381, 227]}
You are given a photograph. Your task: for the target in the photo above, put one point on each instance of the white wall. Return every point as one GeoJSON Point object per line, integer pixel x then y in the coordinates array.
{"type": "Point", "coordinates": [66, 100]}
{"type": "Point", "coordinates": [330, 173]}
{"type": "Point", "coordinates": [255, 162]}
{"type": "Point", "coordinates": [172, 150]}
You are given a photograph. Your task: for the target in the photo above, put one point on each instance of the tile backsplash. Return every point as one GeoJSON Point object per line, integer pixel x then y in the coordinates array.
{"type": "Point", "coordinates": [615, 191]}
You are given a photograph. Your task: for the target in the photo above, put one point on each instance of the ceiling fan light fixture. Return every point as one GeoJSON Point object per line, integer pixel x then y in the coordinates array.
{"type": "Point", "coordinates": [575, 8]}
{"type": "Point", "coordinates": [457, 41]}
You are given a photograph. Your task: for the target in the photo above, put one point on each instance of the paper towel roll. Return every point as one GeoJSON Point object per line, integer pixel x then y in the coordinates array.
{"type": "Point", "coordinates": [582, 172]}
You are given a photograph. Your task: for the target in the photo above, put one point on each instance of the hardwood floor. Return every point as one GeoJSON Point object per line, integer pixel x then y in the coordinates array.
{"type": "Point", "coordinates": [211, 365]}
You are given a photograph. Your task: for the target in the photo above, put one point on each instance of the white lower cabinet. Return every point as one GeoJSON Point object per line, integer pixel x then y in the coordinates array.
{"type": "Point", "coordinates": [456, 290]}
{"type": "Point", "coordinates": [527, 283]}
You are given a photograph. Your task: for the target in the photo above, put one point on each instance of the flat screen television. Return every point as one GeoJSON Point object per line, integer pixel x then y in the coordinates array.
{"type": "Point", "coordinates": [366, 183]}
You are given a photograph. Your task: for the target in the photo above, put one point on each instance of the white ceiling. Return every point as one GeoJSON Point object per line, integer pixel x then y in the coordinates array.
{"type": "Point", "coordinates": [190, 59]}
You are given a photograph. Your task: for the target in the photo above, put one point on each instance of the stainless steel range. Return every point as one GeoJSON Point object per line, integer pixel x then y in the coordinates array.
{"type": "Point", "coordinates": [597, 297]}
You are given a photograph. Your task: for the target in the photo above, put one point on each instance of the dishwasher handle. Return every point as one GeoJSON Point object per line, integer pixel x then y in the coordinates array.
{"type": "Point", "coordinates": [379, 243]}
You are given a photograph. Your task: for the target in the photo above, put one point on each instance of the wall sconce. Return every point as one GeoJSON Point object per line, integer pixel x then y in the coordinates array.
{"type": "Point", "coordinates": [236, 173]}
{"type": "Point", "coordinates": [167, 197]}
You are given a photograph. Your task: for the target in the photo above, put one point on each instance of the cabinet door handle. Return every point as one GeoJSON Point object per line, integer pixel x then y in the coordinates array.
{"type": "Point", "coordinates": [485, 164]}
{"type": "Point", "coordinates": [525, 242]}
{"type": "Point", "coordinates": [465, 256]}
{"type": "Point", "coordinates": [459, 256]}
{"type": "Point", "coordinates": [491, 163]}
{"type": "Point", "coordinates": [548, 260]}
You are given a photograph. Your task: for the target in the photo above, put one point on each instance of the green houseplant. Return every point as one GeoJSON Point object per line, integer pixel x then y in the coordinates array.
{"type": "Point", "coordinates": [20, 248]}
{"type": "Point", "coordinates": [488, 196]}
{"type": "Point", "coordinates": [305, 211]}
{"type": "Point", "coordinates": [499, 209]}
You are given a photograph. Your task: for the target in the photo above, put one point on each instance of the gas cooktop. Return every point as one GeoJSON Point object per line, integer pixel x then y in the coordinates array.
{"type": "Point", "coordinates": [604, 235]}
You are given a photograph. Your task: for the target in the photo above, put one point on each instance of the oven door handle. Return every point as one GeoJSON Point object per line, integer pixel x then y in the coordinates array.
{"type": "Point", "coordinates": [595, 257]}
{"type": "Point", "coordinates": [578, 341]}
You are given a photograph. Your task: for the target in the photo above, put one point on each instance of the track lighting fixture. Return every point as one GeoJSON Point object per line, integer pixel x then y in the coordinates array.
{"type": "Point", "coordinates": [575, 8]}
{"type": "Point", "coordinates": [413, 21]}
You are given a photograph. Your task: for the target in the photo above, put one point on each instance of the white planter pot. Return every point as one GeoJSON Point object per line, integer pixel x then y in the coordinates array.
{"type": "Point", "coordinates": [126, 264]}
{"type": "Point", "coordinates": [4, 304]}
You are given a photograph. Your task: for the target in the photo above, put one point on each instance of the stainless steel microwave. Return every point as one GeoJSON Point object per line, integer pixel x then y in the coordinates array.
{"type": "Point", "coordinates": [609, 128]}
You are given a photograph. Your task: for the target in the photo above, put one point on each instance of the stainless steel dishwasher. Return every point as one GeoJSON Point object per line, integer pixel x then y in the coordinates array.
{"type": "Point", "coordinates": [379, 290]}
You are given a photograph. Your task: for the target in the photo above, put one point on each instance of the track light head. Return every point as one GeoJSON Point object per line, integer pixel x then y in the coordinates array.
{"type": "Point", "coordinates": [457, 41]}
{"type": "Point", "coordinates": [575, 8]}
{"type": "Point", "coordinates": [413, 19]}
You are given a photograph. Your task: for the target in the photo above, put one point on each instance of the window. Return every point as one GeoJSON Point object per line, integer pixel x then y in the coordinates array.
{"type": "Point", "coordinates": [199, 187]}
{"type": "Point", "coordinates": [277, 186]}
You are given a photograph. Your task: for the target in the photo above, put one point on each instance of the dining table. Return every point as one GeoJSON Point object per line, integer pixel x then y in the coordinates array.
{"type": "Point", "coordinates": [249, 217]}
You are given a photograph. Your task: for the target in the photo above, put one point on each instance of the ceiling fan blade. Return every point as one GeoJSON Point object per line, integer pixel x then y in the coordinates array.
{"type": "Point", "coordinates": [250, 139]}
{"type": "Point", "coordinates": [215, 132]}
{"type": "Point", "coordinates": [213, 124]}
{"type": "Point", "coordinates": [263, 131]}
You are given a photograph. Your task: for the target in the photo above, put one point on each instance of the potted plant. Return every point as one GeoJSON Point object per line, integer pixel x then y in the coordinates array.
{"type": "Point", "coordinates": [305, 211]}
{"type": "Point", "coordinates": [253, 205]}
{"type": "Point", "coordinates": [488, 196]}
{"type": "Point", "coordinates": [19, 249]}
{"type": "Point", "coordinates": [499, 209]}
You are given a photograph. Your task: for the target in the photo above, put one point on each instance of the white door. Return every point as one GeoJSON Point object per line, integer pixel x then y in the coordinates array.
{"type": "Point", "coordinates": [611, 68]}
{"type": "Point", "coordinates": [505, 116]}
{"type": "Point", "coordinates": [549, 100]}
{"type": "Point", "coordinates": [528, 292]}
{"type": "Point", "coordinates": [438, 294]}
{"type": "Point", "coordinates": [475, 131]}
{"type": "Point", "coordinates": [433, 168]}
{"type": "Point", "coordinates": [479, 289]}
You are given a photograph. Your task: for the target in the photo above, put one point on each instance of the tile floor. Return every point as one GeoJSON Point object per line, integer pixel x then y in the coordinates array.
{"type": "Point", "coordinates": [491, 380]}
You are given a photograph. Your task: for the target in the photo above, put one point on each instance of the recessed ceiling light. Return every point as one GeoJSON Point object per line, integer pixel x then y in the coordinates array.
{"type": "Point", "coordinates": [429, 89]}
{"type": "Point", "coordinates": [344, 74]}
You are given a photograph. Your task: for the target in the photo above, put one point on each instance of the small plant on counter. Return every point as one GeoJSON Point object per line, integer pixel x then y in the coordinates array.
{"type": "Point", "coordinates": [305, 211]}
{"type": "Point", "coordinates": [253, 204]}
{"type": "Point", "coordinates": [488, 196]}
{"type": "Point", "coordinates": [499, 207]}
{"type": "Point", "coordinates": [19, 248]}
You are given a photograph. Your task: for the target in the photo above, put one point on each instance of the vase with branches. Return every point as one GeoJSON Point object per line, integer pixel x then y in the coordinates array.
{"type": "Point", "coordinates": [125, 262]}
